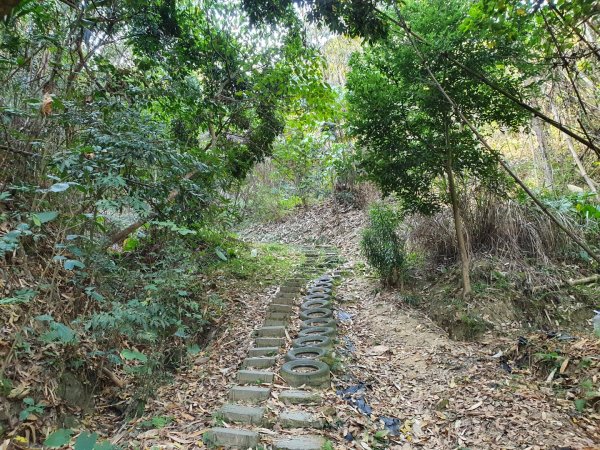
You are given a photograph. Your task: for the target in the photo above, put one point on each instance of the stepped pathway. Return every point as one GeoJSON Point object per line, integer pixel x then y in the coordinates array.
{"type": "Point", "coordinates": [293, 375]}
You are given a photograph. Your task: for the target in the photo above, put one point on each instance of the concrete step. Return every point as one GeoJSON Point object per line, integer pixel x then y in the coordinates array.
{"type": "Point", "coordinates": [299, 419]}
{"type": "Point", "coordinates": [278, 307]}
{"type": "Point", "coordinates": [299, 443]}
{"type": "Point", "coordinates": [242, 413]}
{"type": "Point", "coordinates": [269, 341]}
{"type": "Point", "coordinates": [275, 322]}
{"type": "Point", "coordinates": [297, 397]}
{"type": "Point", "coordinates": [278, 315]}
{"type": "Point", "coordinates": [254, 376]}
{"type": "Point", "coordinates": [270, 332]}
{"type": "Point", "coordinates": [231, 438]}
{"type": "Point", "coordinates": [251, 394]}
{"type": "Point", "coordinates": [263, 351]}
{"type": "Point", "coordinates": [260, 362]}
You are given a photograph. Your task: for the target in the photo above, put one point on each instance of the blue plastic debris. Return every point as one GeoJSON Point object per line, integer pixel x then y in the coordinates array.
{"type": "Point", "coordinates": [355, 395]}
{"type": "Point", "coordinates": [344, 316]}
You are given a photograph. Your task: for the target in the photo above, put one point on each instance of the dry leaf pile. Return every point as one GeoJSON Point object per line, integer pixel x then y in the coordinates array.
{"type": "Point", "coordinates": [445, 394]}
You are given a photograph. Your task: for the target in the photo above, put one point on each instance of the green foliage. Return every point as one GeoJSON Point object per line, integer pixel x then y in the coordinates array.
{"type": "Point", "coordinates": [409, 135]}
{"type": "Point", "coordinates": [31, 407]}
{"type": "Point", "coordinates": [382, 246]}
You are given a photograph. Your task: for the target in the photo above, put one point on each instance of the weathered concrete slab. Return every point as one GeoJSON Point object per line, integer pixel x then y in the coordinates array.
{"type": "Point", "coordinates": [259, 362]}
{"type": "Point", "coordinates": [299, 443]}
{"type": "Point", "coordinates": [299, 419]}
{"type": "Point", "coordinates": [269, 341]}
{"type": "Point", "coordinates": [254, 376]}
{"type": "Point", "coordinates": [278, 315]}
{"type": "Point", "coordinates": [242, 413]}
{"type": "Point", "coordinates": [272, 331]}
{"type": "Point", "coordinates": [297, 397]}
{"type": "Point", "coordinates": [231, 438]}
{"type": "Point", "coordinates": [253, 394]}
{"type": "Point", "coordinates": [278, 307]}
{"type": "Point", "coordinates": [275, 323]}
{"type": "Point", "coordinates": [263, 351]}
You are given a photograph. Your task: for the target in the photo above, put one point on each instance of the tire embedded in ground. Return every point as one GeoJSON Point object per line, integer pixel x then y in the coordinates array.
{"type": "Point", "coordinates": [316, 340]}
{"type": "Point", "coordinates": [309, 372]}
{"type": "Point", "coordinates": [315, 303]}
{"type": "Point", "coordinates": [316, 313]}
{"type": "Point", "coordinates": [319, 290]}
{"type": "Point", "coordinates": [305, 353]}
{"type": "Point", "coordinates": [318, 322]}
{"type": "Point", "coordinates": [317, 331]}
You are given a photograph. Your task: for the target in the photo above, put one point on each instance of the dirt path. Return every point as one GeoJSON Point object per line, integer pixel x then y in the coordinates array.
{"type": "Point", "coordinates": [446, 394]}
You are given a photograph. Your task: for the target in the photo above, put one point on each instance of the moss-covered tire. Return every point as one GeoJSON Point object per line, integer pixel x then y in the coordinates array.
{"type": "Point", "coordinates": [319, 322]}
{"type": "Point", "coordinates": [316, 313]}
{"type": "Point", "coordinates": [320, 331]}
{"type": "Point", "coordinates": [317, 295]}
{"type": "Point", "coordinates": [315, 340]}
{"type": "Point", "coordinates": [315, 303]}
{"type": "Point", "coordinates": [325, 278]}
{"type": "Point", "coordinates": [305, 353]}
{"type": "Point", "coordinates": [319, 290]}
{"type": "Point", "coordinates": [309, 372]}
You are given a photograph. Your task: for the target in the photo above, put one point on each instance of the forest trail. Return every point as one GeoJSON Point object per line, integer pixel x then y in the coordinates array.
{"type": "Point", "coordinates": [397, 382]}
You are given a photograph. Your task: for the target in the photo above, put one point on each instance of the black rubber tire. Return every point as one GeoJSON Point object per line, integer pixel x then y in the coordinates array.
{"type": "Point", "coordinates": [325, 278]}
{"type": "Point", "coordinates": [316, 340]}
{"type": "Point", "coordinates": [318, 377]}
{"type": "Point", "coordinates": [317, 331]}
{"type": "Point", "coordinates": [317, 295]}
{"type": "Point", "coordinates": [315, 303]}
{"type": "Point", "coordinates": [303, 352]}
{"type": "Point", "coordinates": [319, 290]}
{"type": "Point", "coordinates": [318, 322]}
{"type": "Point", "coordinates": [314, 313]}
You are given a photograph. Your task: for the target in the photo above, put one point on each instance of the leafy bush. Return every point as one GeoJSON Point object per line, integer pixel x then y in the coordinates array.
{"type": "Point", "coordinates": [382, 246]}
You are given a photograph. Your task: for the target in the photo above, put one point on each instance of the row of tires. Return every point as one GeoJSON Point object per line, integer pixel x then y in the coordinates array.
{"type": "Point", "coordinates": [315, 340]}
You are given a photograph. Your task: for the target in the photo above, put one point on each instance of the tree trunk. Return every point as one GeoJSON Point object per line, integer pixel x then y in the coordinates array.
{"type": "Point", "coordinates": [544, 159]}
{"type": "Point", "coordinates": [458, 225]}
{"type": "Point", "coordinates": [460, 237]}
{"type": "Point", "coordinates": [576, 158]}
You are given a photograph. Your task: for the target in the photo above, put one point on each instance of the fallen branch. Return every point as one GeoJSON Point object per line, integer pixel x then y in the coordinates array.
{"type": "Point", "coordinates": [571, 282]}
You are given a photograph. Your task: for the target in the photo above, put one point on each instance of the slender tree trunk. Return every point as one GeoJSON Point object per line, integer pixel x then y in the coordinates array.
{"type": "Point", "coordinates": [576, 158]}
{"type": "Point", "coordinates": [544, 159]}
{"type": "Point", "coordinates": [458, 225]}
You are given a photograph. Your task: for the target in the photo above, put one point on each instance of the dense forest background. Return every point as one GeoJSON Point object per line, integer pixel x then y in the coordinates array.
{"type": "Point", "coordinates": [138, 137]}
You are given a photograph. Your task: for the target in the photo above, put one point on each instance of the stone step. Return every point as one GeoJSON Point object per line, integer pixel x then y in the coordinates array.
{"type": "Point", "coordinates": [273, 331]}
{"type": "Point", "coordinates": [275, 322]}
{"type": "Point", "coordinates": [297, 397]}
{"type": "Point", "coordinates": [231, 438]}
{"type": "Point", "coordinates": [299, 419]}
{"type": "Point", "coordinates": [285, 300]}
{"type": "Point", "coordinates": [253, 394]}
{"type": "Point", "coordinates": [254, 376]}
{"type": "Point", "coordinates": [269, 341]}
{"type": "Point", "coordinates": [299, 443]}
{"type": "Point", "coordinates": [278, 315]}
{"type": "Point", "coordinates": [242, 413]}
{"type": "Point", "coordinates": [278, 307]}
{"type": "Point", "coordinates": [260, 362]}
{"type": "Point", "coordinates": [263, 351]}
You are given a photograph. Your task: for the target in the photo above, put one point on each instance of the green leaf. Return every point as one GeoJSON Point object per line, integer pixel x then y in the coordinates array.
{"type": "Point", "coordinates": [44, 217]}
{"type": "Point", "coordinates": [70, 264]}
{"type": "Point", "coordinates": [193, 349]}
{"type": "Point", "coordinates": [220, 253]}
{"type": "Point", "coordinates": [580, 404]}
{"type": "Point", "coordinates": [133, 355]}
{"type": "Point", "coordinates": [59, 187]}
{"type": "Point", "coordinates": [58, 438]}
{"type": "Point", "coordinates": [86, 441]}
{"type": "Point", "coordinates": [104, 445]}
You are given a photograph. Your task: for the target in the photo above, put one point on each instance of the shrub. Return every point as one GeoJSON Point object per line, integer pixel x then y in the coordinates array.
{"type": "Point", "coordinates": [382, 246]}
